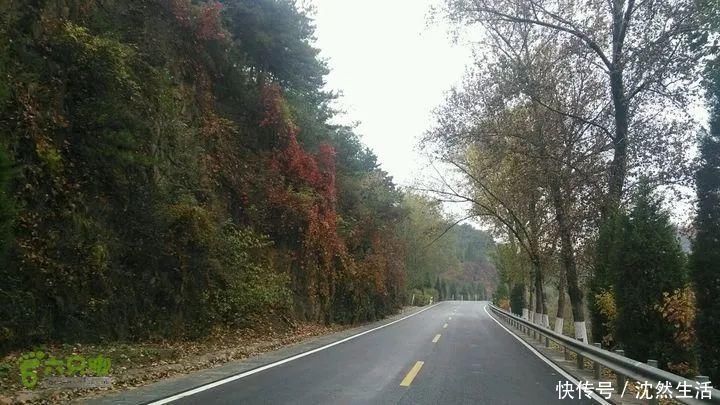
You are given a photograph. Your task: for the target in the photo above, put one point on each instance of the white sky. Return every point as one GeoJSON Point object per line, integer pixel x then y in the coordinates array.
{"type": "Point", "coordinates": [393, 69]}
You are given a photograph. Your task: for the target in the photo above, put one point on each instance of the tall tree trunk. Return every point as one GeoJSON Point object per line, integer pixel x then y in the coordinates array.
{"type": "Point", "coordinates": [545, 320]}
{"type": "Point", "coordinates": [527, 297]}
{"type": "Point", "coordinates": [531, 303]}
{"type": "Point", "coordinates": [535, 258]}
{"type": "Point", "coordinates": [618, 166]}
{"type": "Point", "coordinates": [538, 296]}
{"type": "Point", "coordinates": [540, 299]}
{"type": "Point", "coordinates": [559, 318]}
{"type": "Point", "coordinates": [602, 278]}
{"type": "Point", "coordinates": [567, 254]}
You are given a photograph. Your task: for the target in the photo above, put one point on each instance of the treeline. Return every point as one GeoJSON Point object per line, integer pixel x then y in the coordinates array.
{"type": "Point", "coordinates": [445, 260]}
{"type": "Point", "coordinates": [570, 136]}
{"type": "Point", "coordinates": [169, 166]}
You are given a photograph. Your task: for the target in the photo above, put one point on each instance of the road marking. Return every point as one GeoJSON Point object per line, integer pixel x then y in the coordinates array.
{"type": "Point", "coordinates": [279, 362]}
{"type": "Point", "coordinates": [412, 374]}
{"type": "Point", "coordinates": [543, 358]}
{"type": "Point", "coordinates": [449, 318]}
{"type": "Point", "coordinates": [436, 338]}
{"type": "Point", "coordinates": [445, 326]}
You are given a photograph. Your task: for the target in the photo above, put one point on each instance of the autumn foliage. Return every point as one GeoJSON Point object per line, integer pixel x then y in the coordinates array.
{"type": "Point", "coordinates": [177, 173]}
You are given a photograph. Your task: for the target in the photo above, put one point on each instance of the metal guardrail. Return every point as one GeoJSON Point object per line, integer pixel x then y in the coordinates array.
{"type": "Point", "coordinates": [623, 367]}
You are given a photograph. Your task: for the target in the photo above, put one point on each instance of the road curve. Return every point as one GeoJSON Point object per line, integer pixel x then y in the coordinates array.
{"type": "Point", "coordinates": [453, 353]}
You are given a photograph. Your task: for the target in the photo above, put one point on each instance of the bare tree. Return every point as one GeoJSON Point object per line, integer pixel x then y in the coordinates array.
{"type": "Point", "coordinates": [647, 51]}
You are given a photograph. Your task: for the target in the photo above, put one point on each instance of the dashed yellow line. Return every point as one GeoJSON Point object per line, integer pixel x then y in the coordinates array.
{"type": "Point", "coordinates": [436, 338]}
{"type": "Point", "coordinates": [445, 326]}
{"type": "Point", "coordinates": [412, 374]}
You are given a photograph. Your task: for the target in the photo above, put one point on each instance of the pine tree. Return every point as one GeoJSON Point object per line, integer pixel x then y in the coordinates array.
{"type": "Point", "coordinates": [650, 263]}
{"type": "Point", "coordinates": [706, 250]}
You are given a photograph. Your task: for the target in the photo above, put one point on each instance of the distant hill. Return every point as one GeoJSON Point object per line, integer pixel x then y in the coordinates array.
{"type": "Point", "coordinates": [473, 247]}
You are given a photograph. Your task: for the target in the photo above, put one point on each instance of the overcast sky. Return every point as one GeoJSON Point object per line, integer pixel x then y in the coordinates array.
{"type": "Point", "coordinates": [393, 69]}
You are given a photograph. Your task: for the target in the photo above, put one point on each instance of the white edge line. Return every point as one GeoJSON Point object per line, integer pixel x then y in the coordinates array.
{"type": "Point", "coordinates": [564, 373]}
{"type": "Point", "coordinates": [277, 363]}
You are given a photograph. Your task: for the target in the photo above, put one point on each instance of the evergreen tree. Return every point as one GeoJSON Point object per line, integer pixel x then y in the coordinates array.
{"type": "Point", "coordinates": [706, 251]}
{"type": "Point", "coordinates": [501, 293]}
{"type": "Point", "coordinates": [650, 263]}
{"type": "Point", "coordinates": [517, 299]}
{"type": "Point", "coordinates": [603, 279]}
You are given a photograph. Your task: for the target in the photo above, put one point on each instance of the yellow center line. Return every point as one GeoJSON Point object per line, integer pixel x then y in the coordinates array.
{"type": "Point", "coordinates": [436, 338]}
{"type": "Point", "coordinates": [445, 326]}
{"type": "Point", "coordinates": [412, 374]}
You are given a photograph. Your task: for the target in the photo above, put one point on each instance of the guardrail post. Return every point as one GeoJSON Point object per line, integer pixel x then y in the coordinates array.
{"type": "Point", "coordinates": [653, 399]}
{"type": "Point", "coordinates": [597, 367]}
{"type": "Point", "coordinates": [580, 361]}
{"type": "Point", "coordinates": [620, 377]}
{"type": "Point", "coordinates": [567, 354]}
{"type": "Point", "coordinates": [547, 341]}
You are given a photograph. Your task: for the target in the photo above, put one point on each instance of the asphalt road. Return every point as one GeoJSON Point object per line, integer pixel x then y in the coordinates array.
{"type": "Point", "coordinates": [467, 358]}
